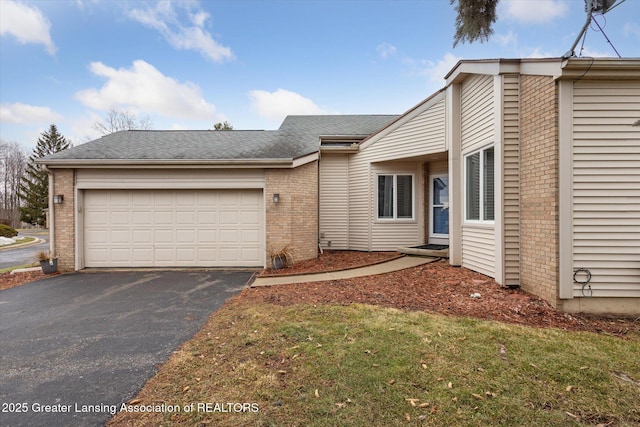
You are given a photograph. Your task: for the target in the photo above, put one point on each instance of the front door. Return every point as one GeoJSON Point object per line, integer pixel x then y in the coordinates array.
{"type": "Point", "coordinates": [439, 204]}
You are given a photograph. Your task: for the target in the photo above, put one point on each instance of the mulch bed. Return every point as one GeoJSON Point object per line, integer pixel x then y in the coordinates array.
{"type": "Point", "coordinates": [8, 280]}
{"type": "Point", "coordinates": [439, 288]}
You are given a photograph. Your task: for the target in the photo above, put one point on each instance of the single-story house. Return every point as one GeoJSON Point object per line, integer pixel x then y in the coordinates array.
{"type": "Point", "coordinates": [527, 169]}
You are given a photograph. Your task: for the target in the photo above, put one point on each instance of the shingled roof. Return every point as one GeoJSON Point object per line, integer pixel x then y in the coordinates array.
{"type": "Point", "coordinates": [298, 136]}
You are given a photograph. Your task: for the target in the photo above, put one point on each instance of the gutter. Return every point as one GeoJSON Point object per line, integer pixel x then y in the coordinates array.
{"type": "Point", "coordinates": [154, 163]}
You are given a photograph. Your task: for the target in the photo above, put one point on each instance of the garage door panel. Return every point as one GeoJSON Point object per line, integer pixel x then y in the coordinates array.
{"type": "Point", "coordinates": [120, 236]}
{"type": "Point", "coordinates": [185, 218]}
{"type": "Point", "coordinates": [120, 218]}
{"type": "Point", "coordinates": [207, 236]}
{"type": "Point", "coordinates": [229, 236]}
{"type": "Point", "coordinates": [120, 255]}
{"type": "Point", "coordinates": [140, 217]}
{"type": "Point", "coordinates": [229, 217]}
{"type": "Point", "coordinates": [164, 199]}
{"type": "Point", "coordinates": [207, 218]}
{"type": "Point", "coordinates": [163, 236]}
{"type": "Point", "coordinates": [185, 236]}
{"type": "Point", "coordinates": [207, 254]}
{"type": "Point", "coordinates": [251, 236]}
{"type": "Point", "coordinates": [251, 217]}
{"type": "Point", "coordinates": [166, 228]}
{"type": "Point", "coordinates": [142, 236]}
{"type": "Point", "coordinates": [163, 218]}
{"type": "Point", "coordinates": [142, 255]}
{"type": "Point", "coordinates": [97, 236]}
{"type": "Point", "coordinates": [185, 254]}
{"type": "Point", "coordinates": [97, 217]}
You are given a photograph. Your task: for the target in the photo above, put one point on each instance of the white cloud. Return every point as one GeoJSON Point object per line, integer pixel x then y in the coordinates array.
{"type": "Point", "coordinates": [26, 24]}
{"type": "Point", "coordinates": [385, 50]}
{"type": "Point", "coordinates": [535, 12]}
{"type": "Point", "coordinates": [436, 71]}
{"type": "Point", "coordinates": [144, 89]}
{"type": "Point", "coordinates": [276, 105]}
{"type": "Point", "coordinates": [537, 52]}
{"type": "Point", "coordinates": [21, 114]}
{"type": "Point", "coordinates": [192, 36]}
{"type": "Point", "coordinates": [510, 39]}
{"type": "Point", "coordinates": [631, 29]}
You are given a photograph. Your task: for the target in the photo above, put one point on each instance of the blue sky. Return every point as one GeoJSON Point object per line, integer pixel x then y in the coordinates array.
{"type": "Point", "coordinates": [190, 64]}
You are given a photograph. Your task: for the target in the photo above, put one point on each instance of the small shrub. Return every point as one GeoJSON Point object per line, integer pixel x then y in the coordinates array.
{"type": "Point", "coordinates": [43, 256]}
{"type": "Point", "coordinates": [6, 231]}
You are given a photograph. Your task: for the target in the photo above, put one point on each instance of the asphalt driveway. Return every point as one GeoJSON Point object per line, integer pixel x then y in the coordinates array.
{"type": "Point", "coordinates": [84, 343]}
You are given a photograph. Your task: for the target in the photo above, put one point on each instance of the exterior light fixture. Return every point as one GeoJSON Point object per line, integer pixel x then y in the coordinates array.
{"type": "Point", "coordinates": [276, 198]}
{"type": "Point", "coordinates": [58, 198]}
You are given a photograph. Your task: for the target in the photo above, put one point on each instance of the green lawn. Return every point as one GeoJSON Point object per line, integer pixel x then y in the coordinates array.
{"type": "Point", "coordinates": [369, 366]}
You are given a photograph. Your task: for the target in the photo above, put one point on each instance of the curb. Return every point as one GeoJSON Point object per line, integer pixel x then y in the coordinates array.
{"type": "Point", "coordinates": [23, 245]}
{"type": "Point", "coordinates": [25, 270]}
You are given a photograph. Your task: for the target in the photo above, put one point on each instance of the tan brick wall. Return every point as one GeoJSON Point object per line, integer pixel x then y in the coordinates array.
{"type": "Point", "coordinates": [539, 187]}
{"type": "Point", "coordinates": [64, 225]}
{"type": "Point", "coordinates": [293, 221]}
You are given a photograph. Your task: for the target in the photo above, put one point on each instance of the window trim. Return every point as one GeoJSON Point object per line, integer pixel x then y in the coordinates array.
{"type": "Point", "coordinates": [481, 154]}
{"type": "Point", "coordinates": [395, 218]}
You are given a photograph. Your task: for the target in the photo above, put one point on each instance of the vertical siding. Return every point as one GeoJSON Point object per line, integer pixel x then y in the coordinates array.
{"type": "Point", "coordinates": [334, 201]}
{"type": "Point", "coordinates": [477, 121]}
{"type": "Point", "coordinates": [606, 186]}
{"type": "Point", "coordinates": [511, 178]}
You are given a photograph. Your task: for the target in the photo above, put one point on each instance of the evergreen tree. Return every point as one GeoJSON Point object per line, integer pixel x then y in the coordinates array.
{"type": "Point", "coordinates": [34, 189]}
{"type": "Point", "coordinates": [474, 20]}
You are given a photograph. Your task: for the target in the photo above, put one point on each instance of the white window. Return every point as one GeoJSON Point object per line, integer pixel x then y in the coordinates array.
{"type": "Point", "coordinates": [395, 196]}
{"type": "Point", "coordinates": [479, 185]}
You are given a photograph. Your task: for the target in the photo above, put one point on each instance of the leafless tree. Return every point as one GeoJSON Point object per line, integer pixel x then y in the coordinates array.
{"type": "Point", "coordinates": [13, 162]}
{"type": "Point", "coordinates": [122, 120]}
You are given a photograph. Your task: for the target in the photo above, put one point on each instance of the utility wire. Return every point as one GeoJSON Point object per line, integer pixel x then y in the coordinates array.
{"type": "Point", "coordinates": [593, 19]}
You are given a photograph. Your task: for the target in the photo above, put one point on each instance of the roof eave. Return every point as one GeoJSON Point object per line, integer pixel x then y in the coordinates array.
{"type": "Point", "coordinates": [167, 163]}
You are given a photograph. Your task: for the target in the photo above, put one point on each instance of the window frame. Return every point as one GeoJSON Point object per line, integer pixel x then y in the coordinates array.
{"type": "Point", "coordinates": [394, 217]}
{"type": "Point", "coordinates": [481, 187]}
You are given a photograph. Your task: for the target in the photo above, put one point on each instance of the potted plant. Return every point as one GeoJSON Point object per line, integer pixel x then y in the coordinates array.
{"type": "Point", "coordinates": [48, 262]}
{"type": "Point", "coordinates": [281, 258]}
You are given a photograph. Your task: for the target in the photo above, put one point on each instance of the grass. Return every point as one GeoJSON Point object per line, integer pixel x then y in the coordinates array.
{"type": "Point", "coordinates": [15, 267]}
{"type": "Point", "coordinates": [363, 365]}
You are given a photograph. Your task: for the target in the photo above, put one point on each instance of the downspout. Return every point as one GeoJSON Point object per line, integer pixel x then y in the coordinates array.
{"type": "Point", "coordinates": [52, 222]}
{"type": "Point", "coordinates": [318, 195]}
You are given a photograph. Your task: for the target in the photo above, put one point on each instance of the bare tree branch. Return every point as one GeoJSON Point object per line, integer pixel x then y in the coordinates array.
{"type": "Point", "coordinates": [122, 120]}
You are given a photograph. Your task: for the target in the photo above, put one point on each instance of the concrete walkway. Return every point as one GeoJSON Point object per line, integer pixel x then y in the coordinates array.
{"type": "Point", "coordinates": [370, 270]}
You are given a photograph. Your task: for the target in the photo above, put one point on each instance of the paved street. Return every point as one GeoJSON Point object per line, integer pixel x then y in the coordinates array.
{"type": "Point", "coordinates": [24, 255]}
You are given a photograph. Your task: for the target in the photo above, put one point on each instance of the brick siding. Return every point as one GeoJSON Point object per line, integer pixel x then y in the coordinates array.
{"type": "Point", "coordinates": [539, 187]}
{"type": "Point", "coordinates": [294, 221]}
{"type": "Point", "coordinates": [64, 222]}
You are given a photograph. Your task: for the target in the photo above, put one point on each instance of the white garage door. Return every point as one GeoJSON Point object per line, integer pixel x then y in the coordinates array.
{"type": "Point", "coordinates": [173, 228]}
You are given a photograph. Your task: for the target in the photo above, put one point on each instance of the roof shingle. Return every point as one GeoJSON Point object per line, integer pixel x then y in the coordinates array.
{"type": "Point", "coordinates": [297, 136]}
